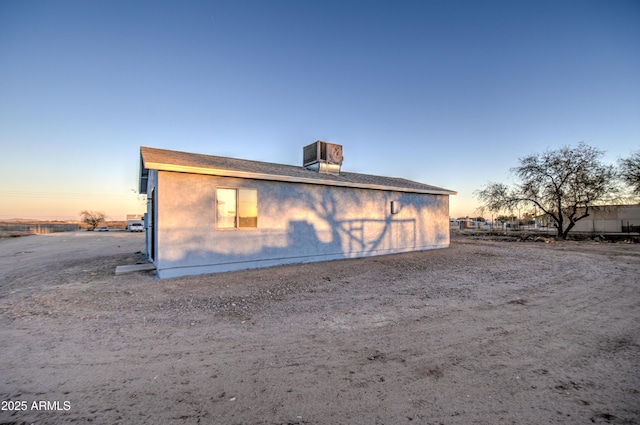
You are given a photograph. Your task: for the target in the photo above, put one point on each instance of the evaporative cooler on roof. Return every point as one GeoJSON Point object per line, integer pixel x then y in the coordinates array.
{"type": "Point", "coordinates": [323, 157]}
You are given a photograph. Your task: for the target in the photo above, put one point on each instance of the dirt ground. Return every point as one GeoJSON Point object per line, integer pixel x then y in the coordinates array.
{"type": "Point", "coordinates": [484, 332]}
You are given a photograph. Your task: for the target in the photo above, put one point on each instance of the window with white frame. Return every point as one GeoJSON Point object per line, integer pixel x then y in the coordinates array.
{"type": "Point", "coordinates": [236, 208]}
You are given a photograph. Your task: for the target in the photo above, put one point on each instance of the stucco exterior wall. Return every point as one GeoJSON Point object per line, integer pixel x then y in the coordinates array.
{"type": "Point", "coordinates": [612, 219]}
{"type": "Point", "coordinates": [296, 223]}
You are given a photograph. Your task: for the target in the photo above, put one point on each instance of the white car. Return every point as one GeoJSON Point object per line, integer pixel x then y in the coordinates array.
{"type": "Point", "coordinates": [136, 227]}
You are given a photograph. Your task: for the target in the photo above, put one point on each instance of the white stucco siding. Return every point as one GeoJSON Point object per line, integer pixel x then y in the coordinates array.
{"type": "Point", "coordinates": [609, 219]}
{"type": "Point", "coordinates": [296, 223]}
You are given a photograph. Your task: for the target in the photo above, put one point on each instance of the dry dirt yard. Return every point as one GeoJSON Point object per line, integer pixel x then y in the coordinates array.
{"type": "Point", "coordinates": [484, 332]}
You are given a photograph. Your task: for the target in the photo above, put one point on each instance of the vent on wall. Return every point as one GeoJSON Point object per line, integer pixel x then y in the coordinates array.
{"type": "Point", "coordinates": [323, 157]}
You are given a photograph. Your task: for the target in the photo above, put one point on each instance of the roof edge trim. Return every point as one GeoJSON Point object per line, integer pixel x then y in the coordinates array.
{"type": "Point", "coordinates": [276, 177]}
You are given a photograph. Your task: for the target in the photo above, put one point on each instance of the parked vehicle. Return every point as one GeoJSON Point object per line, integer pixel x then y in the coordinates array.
{"type": "Point", "coordinates": [103, 229]}
{"type": "Point", "coordinates": [136, 227]}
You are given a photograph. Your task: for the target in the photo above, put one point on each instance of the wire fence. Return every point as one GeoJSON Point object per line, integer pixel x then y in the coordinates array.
{"type": "Point", "coordinates": [38, 228]}
{"type": "Point", "coordinates": [582, 226]}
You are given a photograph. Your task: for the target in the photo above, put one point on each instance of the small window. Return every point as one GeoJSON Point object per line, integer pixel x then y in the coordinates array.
{"type": "Point", "coordinates": [236, 208]}
{"type": "Point", "coordinates": [226, 203]}
{"type": "Point", "coordinates": [247, 208]}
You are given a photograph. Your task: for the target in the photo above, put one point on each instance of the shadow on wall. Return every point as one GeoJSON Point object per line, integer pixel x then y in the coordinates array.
{"type": "Point", "coordinates": [350, 237]}
{"type": "Point", "coordinates": [316, 228]}
{"type": "Point", "coordinates": [358, 235]}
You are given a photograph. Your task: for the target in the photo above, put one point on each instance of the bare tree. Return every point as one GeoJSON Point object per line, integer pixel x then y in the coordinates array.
{"type": "Point", "coordinates": [630, 171]}
{"type": "Point", "coordinates": [92, 218]}
{"type": "Point", "coordinates": [564, 183]}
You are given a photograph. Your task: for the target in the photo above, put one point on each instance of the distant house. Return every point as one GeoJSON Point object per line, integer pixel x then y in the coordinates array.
{"type": "Point", "coordinates": [464, 223]}
{"type": "Point", "coordinates": [210, 214]}
{"type": "Point", "coordinates": [610, 219]}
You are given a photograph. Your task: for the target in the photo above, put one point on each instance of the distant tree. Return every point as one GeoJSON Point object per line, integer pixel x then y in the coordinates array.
{"type": "Point", "coordinates": [142, 198]}
{"type": "Point", "coordinates": [92, 218]}
{"type": "Point", "coordinates": [630, 171]}
{"type": "Point", "coordinates": [505, 218]}
{"type": "Point", "coordinates": [564, 183]}
{"type": "Point", "coordinates": [527, 217]}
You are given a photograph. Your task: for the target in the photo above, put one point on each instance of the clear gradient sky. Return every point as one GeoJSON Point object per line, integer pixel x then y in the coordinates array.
{"type": "Point", "coordinates": [449, 93]}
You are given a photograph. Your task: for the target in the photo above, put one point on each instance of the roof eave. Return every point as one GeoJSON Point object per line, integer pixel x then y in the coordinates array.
{"type": "Point", "coordinates": [143, 177]}
{"type": "Point", "coordinates": [276, 177]}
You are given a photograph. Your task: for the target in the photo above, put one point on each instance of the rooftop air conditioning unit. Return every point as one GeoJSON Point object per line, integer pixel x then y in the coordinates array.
{"type": "Point", "coordinates": [323, 157]}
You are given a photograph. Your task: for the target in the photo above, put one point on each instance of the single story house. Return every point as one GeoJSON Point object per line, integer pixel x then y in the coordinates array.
{"type": "Point", "coordinates": [208, 214]}
{"type": "Point", "coordinates": [610, 219]}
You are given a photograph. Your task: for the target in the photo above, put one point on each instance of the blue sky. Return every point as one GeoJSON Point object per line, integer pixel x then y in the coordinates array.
{"type": "Point", "coordinates": [449, 93]}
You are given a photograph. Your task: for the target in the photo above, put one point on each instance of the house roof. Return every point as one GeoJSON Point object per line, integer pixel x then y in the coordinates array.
{"type": "Point", "coordinates": [169, 160]}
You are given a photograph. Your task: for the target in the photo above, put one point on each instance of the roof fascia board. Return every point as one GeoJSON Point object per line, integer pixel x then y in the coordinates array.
{"type": "Point", "coordinates": [143, 177]}
{"type": "Point", "coordinates": [276, 177]}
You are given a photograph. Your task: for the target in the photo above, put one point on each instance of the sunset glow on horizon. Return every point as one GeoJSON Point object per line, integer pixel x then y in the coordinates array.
{"type": "Point", "coordinates": [449, 94]}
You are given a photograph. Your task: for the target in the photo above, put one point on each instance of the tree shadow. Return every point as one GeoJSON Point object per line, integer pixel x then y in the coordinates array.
{"type": "Point", "coordinates": [318, 223]}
